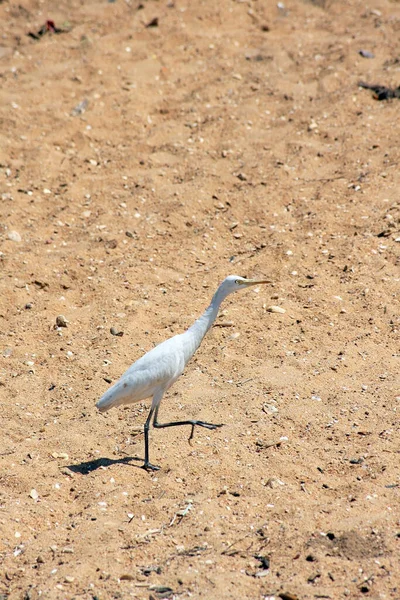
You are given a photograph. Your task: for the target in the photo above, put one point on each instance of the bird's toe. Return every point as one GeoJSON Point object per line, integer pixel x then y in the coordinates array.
{"type": "Point", "coordinates": [149, 467]}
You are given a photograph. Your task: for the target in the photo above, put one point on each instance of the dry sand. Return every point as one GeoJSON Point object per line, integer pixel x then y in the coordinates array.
{"type": "Point", "coordinates": [229, 138]}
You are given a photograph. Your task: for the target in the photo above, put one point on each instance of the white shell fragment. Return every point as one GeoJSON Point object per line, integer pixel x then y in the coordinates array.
{"type": "Point", "coordinates": [14, 236]}
{"type": "Point", "coordinates": [63, 455]}
{"type": "Point", "coordinates": [276, 309]}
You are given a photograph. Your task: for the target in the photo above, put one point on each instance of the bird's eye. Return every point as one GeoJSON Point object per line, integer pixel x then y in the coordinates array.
{"type": "Point", "coordinates": [239, 282]}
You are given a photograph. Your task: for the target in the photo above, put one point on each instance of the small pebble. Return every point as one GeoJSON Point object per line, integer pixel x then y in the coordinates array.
{"type": "Point", "coordinates": [61, 321]}
{"type": "Point", "coordinates": [366, 54]}
{"type": "Point", "coordinates": [80, 108]}
{"type": "Point", "coordinates": [14, 236]}
{"type": "Point", "coordinates": [270, 409]}
{"type": "Point", "coordinates": [115, 331]}
{"type": "Point", "coordinates": [274, 483]}
{"type": "Point", "coordinates": [63, 455]}
{"type": "Point", "coordinates": [276, 309]}
{"type": "Point", "coordinates": [34, 494]}
{"type": "Point", "coordinates": [69, 579]}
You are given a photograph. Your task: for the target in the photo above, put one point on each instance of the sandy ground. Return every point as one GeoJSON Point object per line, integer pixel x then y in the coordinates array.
{"type": "Point", "coordinates": [139, 166]}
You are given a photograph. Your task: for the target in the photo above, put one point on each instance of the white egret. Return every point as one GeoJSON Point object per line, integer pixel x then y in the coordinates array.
{"type": "Point", "coordinates": [155, 372]}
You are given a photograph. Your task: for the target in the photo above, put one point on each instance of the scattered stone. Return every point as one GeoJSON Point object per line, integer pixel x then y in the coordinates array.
{"type": "Point", "coordinates": [41, 284]}
{"type": "Point", "coordinates": [61, 321]}
{"type": "Point", "coordinates": [356, 461]}
{"type": "Point", "coordinates": [269, 409]}
{"type": "Point", "coordinates": [161, 591]}
{"type": "Point", "coordinates": [224, 324]}
{"type": "Point", "coordinates": [69, 579]}
{"type": "Point", "coordinates": [274, 483]}
{"type": "Point", "coordinates": [14, 236]}
{"type": "Point", "coordinates": [288, 596]}
{"type": "Point", "coordinates": [63, 455]}
{"type": "Point", "coordinates": [234, 336]}
{"type": "Point", "coordinates": [34, 494]}
{"type": "Point", "coordinates": [366, 54]}
{"type": "Point", "coordinates": [115, 331]}
{"type": "Point", "coordinates": [276, 309]}
{"type": "Point", "coordinates": [80, 108]}
{"type": "Point", "coordinates": [152, 23]}
{"type": "Point", "coordinates": [265, 445]}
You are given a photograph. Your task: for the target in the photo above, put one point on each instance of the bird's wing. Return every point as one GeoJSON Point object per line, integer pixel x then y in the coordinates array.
{"type": "Point", "coordinates": [154, 372]}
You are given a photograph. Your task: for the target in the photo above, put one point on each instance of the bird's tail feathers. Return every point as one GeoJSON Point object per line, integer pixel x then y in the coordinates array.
{"type": "Point", "coordinates": [115, 396]}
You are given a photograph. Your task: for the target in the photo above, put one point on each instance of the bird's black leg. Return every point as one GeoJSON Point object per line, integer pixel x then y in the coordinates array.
{"type": "Point", "coordinates": [147, 465]}
{"type": "Point", "coordinates": [176, 423]}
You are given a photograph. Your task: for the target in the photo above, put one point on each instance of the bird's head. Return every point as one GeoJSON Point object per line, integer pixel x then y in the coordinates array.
{"type": "Point", "coordinates": [234, 283]}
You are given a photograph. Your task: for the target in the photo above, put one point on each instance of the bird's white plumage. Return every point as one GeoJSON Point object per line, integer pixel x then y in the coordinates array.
{"type": "Point", "coordinates": [151, 374]}
{"type": "Point", "coordinates": [154, 373]}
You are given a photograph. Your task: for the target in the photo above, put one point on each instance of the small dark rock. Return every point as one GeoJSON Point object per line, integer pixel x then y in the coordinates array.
{"type": "Point", "coordinates": [115, 331]}
{"type": "Point", "coordinates": [288, 596]}
{"type": "Point", "coordinates": [311, 558]}
{"type": "Point", "coordinates": [366, 54]}
{"type": "Point", "coordinates": [264, 560]}
{"type": "Point", "coordinates": [152, 23]}
{"type": "Point", "coordinates": [356, 461]}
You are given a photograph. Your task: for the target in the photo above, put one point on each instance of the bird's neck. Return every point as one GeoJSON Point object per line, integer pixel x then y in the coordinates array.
{"type": "Point", "coordinates": [200, 327]}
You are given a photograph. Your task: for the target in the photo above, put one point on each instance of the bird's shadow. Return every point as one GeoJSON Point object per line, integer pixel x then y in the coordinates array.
{"type": "Point", "coordinates": [84, 468]}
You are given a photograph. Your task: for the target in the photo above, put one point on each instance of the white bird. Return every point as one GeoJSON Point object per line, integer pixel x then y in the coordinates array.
{"type": "Point", "coordinates": [155, 372]}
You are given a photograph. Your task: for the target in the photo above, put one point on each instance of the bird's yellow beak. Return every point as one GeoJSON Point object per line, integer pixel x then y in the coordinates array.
{"type": "Point", "coordinates": [248, 282]}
